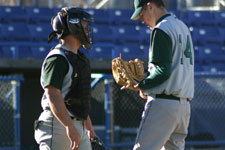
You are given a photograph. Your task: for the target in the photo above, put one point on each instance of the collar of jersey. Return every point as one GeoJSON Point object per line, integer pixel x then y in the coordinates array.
{"type": "Point", "coordinates": [62, 46]}
{"type": "Point", "coordinates": [163, 17]}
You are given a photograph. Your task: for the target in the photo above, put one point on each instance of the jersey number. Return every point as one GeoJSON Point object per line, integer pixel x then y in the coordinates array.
{"type": "Point", "coordinates": [187, 51]}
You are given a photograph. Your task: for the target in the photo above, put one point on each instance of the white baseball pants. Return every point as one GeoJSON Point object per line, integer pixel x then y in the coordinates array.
{"type": "Point", "coordinates": [51, 135]}
{"type": "Point", "coordinates": [164, 125]}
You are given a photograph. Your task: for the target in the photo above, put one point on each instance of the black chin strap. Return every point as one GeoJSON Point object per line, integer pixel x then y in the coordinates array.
{"type": "Point", "coordinates": [85, 39]}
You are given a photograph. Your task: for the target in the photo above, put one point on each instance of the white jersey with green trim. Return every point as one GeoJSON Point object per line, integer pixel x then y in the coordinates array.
{"type": "Point", "coordinates": [67, 79]}
{"type": "Point", "coordinates": [181, 80]}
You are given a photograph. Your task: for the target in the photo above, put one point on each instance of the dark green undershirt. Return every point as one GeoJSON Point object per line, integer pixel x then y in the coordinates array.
{"type": "Point", "coordinates": [161, 58]}
{"type": "Point", "coordinates": [55, 69]}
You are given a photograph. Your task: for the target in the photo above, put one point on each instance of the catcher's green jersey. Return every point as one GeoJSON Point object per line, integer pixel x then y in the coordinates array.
{"type": "Point", "coordinates": [181, 80]}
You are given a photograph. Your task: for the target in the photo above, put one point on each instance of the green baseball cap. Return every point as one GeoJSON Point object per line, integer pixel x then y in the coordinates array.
{"type": "Point", "coordinates": [138, 5]}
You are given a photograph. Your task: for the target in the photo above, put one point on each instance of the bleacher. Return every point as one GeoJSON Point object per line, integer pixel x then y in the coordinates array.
{"type": "Point", "coordinates": [24, 32]}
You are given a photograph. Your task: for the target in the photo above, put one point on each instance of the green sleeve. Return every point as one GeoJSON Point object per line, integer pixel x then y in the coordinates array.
{"type": "Point", "coordinates": [160, 58]}
{"type": "Point", "coordinates": [161, 47]}
{"type": "Point", "coordinates": [162, 73]}
{"type": "Point", "coordinates": [55, 69]}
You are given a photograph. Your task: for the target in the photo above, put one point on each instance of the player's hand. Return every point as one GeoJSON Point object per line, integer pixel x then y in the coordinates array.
{"type": "Point", "coordinates": [74, 137]}
{"type": "Point", "coordinates": [135, 86]}
{"type": "Point", "coordinates": [92, 134]}
{"type": "Point", "coordinates": [124, 87]}
{"type": "Point", "coordinates": [142, 95]}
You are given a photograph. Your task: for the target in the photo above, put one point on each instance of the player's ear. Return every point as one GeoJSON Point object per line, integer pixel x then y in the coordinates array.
{"type": "Point", "coordinates": [149, 5]}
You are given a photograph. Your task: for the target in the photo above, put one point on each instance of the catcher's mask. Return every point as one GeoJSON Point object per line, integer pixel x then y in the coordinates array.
{"type": "Point", "coordinates": [69, 21]}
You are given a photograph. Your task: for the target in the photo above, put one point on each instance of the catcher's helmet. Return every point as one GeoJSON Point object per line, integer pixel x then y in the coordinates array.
{"type": "Point", "coordinates": [69, 21]}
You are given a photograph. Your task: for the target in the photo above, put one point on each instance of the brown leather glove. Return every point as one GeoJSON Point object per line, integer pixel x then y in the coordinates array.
{"type": "Point", "coordinates": [126, 73]}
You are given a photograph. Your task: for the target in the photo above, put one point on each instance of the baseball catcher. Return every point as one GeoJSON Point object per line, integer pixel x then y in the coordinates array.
{"type": "Point", "coordinates": [97, 144]}
{"type": "Point", "coordinates": [127, 73]}
{"type": "Point", "coordinates": [66, 81]}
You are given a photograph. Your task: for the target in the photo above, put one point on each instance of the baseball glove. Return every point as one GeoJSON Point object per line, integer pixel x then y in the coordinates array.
{"type": "Point", "coordinates": [97, 144]}
{"type": "Point", "coordinates": [126, 73]}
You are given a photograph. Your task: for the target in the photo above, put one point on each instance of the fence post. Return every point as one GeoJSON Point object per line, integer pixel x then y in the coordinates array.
{"type": "Point", "coordinates": [16, 94]}
{"type": "Point", "coordinates": [109, 113]}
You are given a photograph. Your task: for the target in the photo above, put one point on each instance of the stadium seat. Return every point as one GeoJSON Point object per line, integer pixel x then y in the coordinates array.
{"type": "Point", "coordinates": [56, 10]}
{"type": "Point", "coordinates": [145, 34]}
{"type": "Point", "coordinates": [199, 18]}
{"type": "Point", "coordinates": [176, 13]}
{"type": "Point", "coordinates": [8, 51]}
{"type": "Point", "coordinates": [210, 54]}
{"type": "Point", "coordinates": [14, 32]}
{"type": "Point", "coordinates": [39, 14]}
{"type": "Point", "coordinates": [101, 52]}
{"type": "Point", "coordinates": [24, 52]}
{"type": "Point", "coordinates": [222, 35]}
{"type": "Point", "coordinates": [40, 52]}
{"type": "Point", "coordinates": [144, 49]}
{"type": "Point", "coordinates": [121, 16]}
{"type": "Point", "coordinates": [126, 33]}
{"type": "Point", "coordinates": [214, 68]}
{"type": "Point", "coordinates": [206, 35]}
{"type": "Point", "coordinates": [134, 50]}
{"type": "Point", "coordinates": [220, 18]}
{"type": "Point", "coordinates": [129, 51]}
{"type": "Point", "coordinates": [184, 18]}
{"type": "Point", "coordinates": [198, 68]}
{"type": "Point", "coordinates": [14, 14]}
{"type": "Point", "coordinates": [40, 32]}
{"type": "Point", "coordinates": [198, 58]}
{"type": "Point", "coordinates": [102, 33]}
{"type": "Point", "coordinates": [101, 16]}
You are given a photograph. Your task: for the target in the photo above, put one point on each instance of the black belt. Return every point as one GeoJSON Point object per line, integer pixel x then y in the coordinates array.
{"type": "Point", "coordinates": [164, 96]}
{"type": "Point", "coordinates": [77, 119]}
